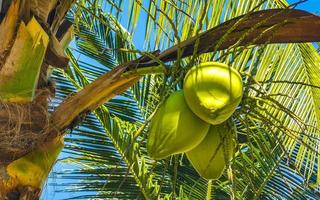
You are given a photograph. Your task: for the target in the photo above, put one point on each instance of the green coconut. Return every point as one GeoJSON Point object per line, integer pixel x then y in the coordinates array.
{"type": "Point", "coordinates": [213, 91]}
{"type": "Point", "coordinates": [210, 157]}
{"type": "Point", "coordinates": [175, 128]}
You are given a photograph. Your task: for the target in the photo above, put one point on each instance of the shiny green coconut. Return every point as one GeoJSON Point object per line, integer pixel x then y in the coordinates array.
{"type": "Point", "coordinates": [213, 91]}
{"type": "Point", "coordinates": [175, 128]}
{"type": "Point", "coordinates": [210, 157]}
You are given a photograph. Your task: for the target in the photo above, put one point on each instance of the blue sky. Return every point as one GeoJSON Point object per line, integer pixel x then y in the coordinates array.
{"type": "Point", "coordinates": [49, 194]}
{"type": "Point", "coordinates": [311, 6]}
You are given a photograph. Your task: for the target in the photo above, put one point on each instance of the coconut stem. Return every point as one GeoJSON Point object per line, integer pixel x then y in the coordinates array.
{"type": "Point", "coordinates": [208, 197]}
{"type": "Point", "coordinates": [147, 70]}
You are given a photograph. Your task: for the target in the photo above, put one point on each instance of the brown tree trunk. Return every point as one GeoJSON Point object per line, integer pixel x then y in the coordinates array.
{"type": "Point", "coordinates": [24, 125]}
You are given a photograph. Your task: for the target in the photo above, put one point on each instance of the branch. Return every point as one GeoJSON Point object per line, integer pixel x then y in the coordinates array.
{"type": "Point", "coordinates": [262, 27]}
{"type": "Point", "coordinates": [92, 96]}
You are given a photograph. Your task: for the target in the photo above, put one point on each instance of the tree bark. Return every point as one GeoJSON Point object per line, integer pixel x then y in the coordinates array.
{"type": "Point", "coordinates": [25, 161]}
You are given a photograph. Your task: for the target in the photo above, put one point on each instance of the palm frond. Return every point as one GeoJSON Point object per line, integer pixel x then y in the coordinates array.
{"type": "Point", "coordinates": [279, 114]}
{"type": "Point", "coordinates": [127, 165]}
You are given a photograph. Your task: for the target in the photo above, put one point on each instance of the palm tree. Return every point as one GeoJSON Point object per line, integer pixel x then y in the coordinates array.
{"type": "Point", "coordinates": [277, 134]}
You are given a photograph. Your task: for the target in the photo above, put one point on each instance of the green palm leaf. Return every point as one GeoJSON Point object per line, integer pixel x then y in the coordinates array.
{"type": "Point", "coordinates": [278, 116]}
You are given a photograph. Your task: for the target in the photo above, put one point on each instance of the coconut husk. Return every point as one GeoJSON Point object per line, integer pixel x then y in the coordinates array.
{"type": "Point", "coordinates": [23, 126]}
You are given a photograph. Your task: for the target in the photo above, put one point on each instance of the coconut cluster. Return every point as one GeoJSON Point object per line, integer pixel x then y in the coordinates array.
{"type": "Point", "coordinates": [195, 120]}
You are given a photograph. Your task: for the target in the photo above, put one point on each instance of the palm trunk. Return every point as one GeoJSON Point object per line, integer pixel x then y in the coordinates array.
{"type": "Point", "coordinates": [28, 45]}
{"type": "Point", "coordinates": [24, 177]}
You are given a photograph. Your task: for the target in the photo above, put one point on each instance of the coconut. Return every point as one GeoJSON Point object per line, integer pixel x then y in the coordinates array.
{"type": "Point", "coordinates": [175, 128]}
{"type": "Point", "coordinates": [210, 157]}
{"type": "Point", "coordinates": [213, 91]}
